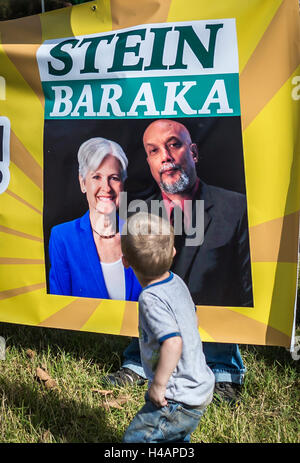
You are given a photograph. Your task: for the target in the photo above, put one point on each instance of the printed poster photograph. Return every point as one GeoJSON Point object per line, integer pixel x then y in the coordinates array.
{"type": "Point", "coordinates": [113, 101]}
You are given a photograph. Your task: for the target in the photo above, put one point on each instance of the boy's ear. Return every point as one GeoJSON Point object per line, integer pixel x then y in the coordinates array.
{"type": "Point", "coordinates": [174, 251]}
{"type": "Point", "coordinates": [125, 262]}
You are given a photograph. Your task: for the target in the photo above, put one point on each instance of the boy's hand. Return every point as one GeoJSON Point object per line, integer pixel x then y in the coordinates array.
{"type": "Point", "coordinates": [169, 356]}
{"type": "Point", "coordinates": [157, 395]}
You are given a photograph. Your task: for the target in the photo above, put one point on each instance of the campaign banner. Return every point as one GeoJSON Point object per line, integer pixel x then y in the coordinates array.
{"type": "Point", "coordinates": [110, 107]}
{"type": "Point", "coordinates": [172, 69]}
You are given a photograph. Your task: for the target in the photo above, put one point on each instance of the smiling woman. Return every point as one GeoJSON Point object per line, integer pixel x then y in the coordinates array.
{"type": "Point", "coordinates": [85, 253]}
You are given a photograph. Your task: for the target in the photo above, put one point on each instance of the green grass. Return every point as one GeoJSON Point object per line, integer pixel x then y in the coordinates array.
{"type": "Point", "coordinates": [75, 411]}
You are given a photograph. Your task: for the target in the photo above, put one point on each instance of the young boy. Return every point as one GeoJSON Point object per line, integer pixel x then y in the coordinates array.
{"type": "Point", "coordinates": [180, 383]}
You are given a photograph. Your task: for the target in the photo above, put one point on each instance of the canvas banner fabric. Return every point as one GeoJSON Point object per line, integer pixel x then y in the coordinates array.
{"type": "Point", "coordinates": [224, 74]}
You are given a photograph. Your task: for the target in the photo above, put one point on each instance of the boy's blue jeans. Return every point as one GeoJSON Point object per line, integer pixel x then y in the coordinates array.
{"type": "Point", "coordinates": [224, 360]}
{"type": "Point", "coordinates": [173, 423]}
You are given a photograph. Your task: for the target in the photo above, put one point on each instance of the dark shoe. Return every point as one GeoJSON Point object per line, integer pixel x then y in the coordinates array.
{"type": "Point", "coordinates": [124, 377]}
{"type": "Point", "coordinates": [228, 392]}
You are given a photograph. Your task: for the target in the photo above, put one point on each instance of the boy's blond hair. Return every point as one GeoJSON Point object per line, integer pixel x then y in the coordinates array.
{"type": "Point", "coordinates": [147, 242]}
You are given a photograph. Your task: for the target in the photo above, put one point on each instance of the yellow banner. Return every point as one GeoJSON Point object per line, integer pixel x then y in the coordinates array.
{"type": "Point", "coordinates": [259, 87]}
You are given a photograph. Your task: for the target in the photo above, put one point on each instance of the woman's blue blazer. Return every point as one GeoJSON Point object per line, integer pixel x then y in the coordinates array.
{"type": "Point", "coordinates": [75, 265]}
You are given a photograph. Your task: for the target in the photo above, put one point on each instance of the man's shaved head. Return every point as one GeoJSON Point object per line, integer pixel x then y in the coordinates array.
{"type": "Point", "coordinates": [171, 155]}
{"type": "Point", "coordinates": [161, 124]}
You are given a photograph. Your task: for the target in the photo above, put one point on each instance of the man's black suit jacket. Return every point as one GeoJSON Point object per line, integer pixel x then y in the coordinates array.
{"type": "Point", "coordinates": [218, 272]}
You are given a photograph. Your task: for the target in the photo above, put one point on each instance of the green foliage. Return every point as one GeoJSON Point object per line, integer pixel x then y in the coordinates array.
{"type": "Point", "coordinates": [13, 9]}
{"type": "Point", "coordinates": [76, 2]}
{"type": "Point", "coordinates": [4, 9]}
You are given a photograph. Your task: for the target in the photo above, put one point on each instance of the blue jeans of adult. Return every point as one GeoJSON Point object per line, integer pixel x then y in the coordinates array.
{"type": "Point", "coordinates": [172, 423]}
{"type": "Point", "coordinates": [224, 360]}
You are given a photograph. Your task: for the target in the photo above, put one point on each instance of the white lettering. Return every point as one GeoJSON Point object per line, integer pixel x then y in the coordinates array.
{"type": "Point", "coordinates": [296, 89]}
{"type": "Point", "coordinates": [4, 153]}
{"type": "Point", "coordinates": [2, 348]}
{"type": "Point", "coordinates": [62, 101]}
{"type": "Point", "coordinates": [144, 102]}
{"type": "Point", "coordinates": [85, 100]}
{"type": "Point", "coordinates": [172, 98]}
{"type": "Point", "coordinates": [116, 453]}
{"type": "Point", "coordinates": [111, 93]}
{"type": "Point", "coordinates": [221, 99]}
{"type": "Point", "coordinates": [144, 97]}
{"type": "Point", "coordinates": [2, 88]}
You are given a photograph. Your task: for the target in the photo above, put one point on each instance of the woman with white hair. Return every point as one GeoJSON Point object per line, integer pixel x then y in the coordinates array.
{"type": "Point", "coordinates": [85, 253]}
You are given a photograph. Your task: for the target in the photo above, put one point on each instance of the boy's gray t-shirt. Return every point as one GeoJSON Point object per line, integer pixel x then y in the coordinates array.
{"type": "Point", "coordinates": [166, 309]}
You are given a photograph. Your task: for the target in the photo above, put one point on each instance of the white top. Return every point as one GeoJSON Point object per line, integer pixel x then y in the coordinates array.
{"type": "Point", "coordinates": [114, 277]}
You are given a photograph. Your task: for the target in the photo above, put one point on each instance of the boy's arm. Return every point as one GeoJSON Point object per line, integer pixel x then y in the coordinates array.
{"type": "Point", "coordinates": [170, 353]}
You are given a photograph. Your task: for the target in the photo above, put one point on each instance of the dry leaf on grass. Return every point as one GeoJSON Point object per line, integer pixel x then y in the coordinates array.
{"type": "Point", "coordinates": [30, 353]}
{"type": "Point", "coordinates": [116, 403]}
{"type": "Point", "coordinates": [51, 384]}
{"type": "Point", "coordinates": [102, 391]}
{"type": "Point", "coordinates": [43, 376]}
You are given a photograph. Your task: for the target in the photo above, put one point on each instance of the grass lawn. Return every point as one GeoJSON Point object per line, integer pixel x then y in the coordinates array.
{"type": "Point", "coordinates": [74, 406]}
